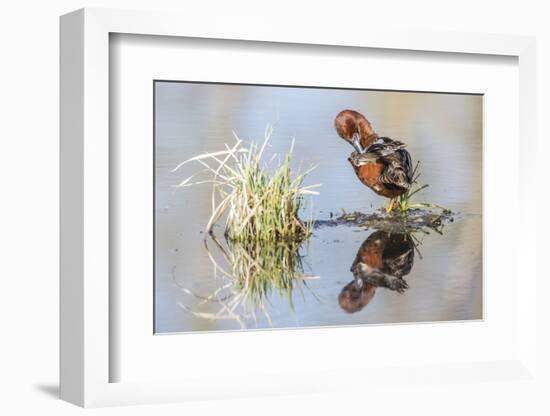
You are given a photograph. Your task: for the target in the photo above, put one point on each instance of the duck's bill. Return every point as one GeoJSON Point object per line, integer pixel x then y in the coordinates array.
{"type": "Point", "coordinates": [356, 144]}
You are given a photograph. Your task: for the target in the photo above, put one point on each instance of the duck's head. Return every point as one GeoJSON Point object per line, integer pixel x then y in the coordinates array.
{"type": "Point", "coordinates": [355, 297]}
{"type": "Point", "coordinates": [354, 128]}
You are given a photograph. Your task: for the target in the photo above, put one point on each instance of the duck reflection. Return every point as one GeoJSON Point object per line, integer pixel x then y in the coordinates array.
{"type": "Point", "coordinates": [383, 260]}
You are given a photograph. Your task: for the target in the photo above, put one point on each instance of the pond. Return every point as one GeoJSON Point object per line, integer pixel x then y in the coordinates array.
{"type": "Point", "coordinates": [347, 272]}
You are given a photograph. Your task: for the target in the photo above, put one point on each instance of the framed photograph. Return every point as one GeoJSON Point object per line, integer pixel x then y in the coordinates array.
{"type": "Point", "coordinates": [324, 250]}
{"type": "Point", "coordinates": [271, 203]}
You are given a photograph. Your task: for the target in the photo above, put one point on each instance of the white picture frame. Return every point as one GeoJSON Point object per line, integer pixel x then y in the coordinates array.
{"type": "Point", "coordinates": [86, 356]}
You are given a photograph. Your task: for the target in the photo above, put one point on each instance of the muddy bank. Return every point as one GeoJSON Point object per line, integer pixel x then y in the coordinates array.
{"type": "Point", "coordinates": [414, 220]}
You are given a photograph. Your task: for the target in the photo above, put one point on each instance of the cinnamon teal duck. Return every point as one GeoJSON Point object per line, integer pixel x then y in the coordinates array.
{"type": "Point", "coordinates": [382, 164]}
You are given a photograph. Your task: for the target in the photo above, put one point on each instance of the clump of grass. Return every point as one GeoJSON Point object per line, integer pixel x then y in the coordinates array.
{"type": "Point", "coordinates": [403, 203]}
{"type": "Point", "coordinates": [259, 205]}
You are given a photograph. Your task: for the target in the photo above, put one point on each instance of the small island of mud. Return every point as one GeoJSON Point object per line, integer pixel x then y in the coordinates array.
{"type": "Point", "coordinates": [413, 221]}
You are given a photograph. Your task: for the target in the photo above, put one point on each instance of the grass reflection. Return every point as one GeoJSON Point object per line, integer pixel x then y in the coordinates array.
{"type": "Point", "coordinates": [249, 275]}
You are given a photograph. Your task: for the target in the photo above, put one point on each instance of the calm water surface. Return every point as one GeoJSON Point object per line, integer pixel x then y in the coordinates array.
{"type": "Point", "coordinates": [444, 275]}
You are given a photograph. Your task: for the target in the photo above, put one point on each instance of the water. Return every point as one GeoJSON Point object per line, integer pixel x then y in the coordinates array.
{"type": "Point", "coordinates": [443, 131]}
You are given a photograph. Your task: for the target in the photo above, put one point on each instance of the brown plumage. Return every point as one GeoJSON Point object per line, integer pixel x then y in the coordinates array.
{"type": "Point", "coordinates": [384, 254]}
{"type": "Point", "coordinates": [380, 163]}
{"type": "Point", "coordinates": [382, 261]}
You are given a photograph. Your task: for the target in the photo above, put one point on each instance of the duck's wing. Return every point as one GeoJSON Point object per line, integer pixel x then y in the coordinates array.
{"type": "Point", "coordinates": [382, 149]}
{"type": "Point", "coordinates": [392, 153]}
{"type": "Point", "coordinates": [398, 171]}
{"type": "Point", "coordinates": [406, 163]}
{"type": "Point", "coordinates": [385, 146]}
{"type": "Point", "coordinates": [394, 179]}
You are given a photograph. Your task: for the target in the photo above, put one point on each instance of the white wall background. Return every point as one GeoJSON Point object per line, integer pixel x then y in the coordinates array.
{"type": "Point", "coordinates": [29, 203]}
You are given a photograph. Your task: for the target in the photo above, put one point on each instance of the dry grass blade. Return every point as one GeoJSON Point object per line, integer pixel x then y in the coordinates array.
{"type": "Point", "coordinates": [204, 156]}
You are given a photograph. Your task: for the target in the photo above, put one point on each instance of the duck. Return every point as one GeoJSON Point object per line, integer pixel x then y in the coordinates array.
{"type": "Point", "coordinates": [380, 163]}
{"type": "Point", "coordinates": [382, 260]}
